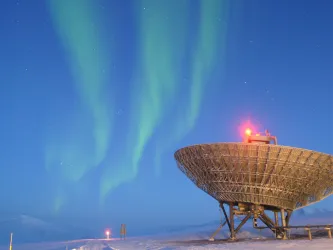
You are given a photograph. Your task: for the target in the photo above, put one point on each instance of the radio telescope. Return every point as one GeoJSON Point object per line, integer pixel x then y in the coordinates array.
{"type": "Point", "coordinates": [256, 176]}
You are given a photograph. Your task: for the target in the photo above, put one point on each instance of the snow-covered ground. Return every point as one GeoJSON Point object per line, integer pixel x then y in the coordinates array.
{"type": "Point", "coordinates": [48, 235]}
{"type": "Point", "coordinates": [146, 244]}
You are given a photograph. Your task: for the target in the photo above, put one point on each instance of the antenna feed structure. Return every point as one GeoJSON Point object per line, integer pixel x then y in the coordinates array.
{"type": "Point", "coordinates": [259, 138]}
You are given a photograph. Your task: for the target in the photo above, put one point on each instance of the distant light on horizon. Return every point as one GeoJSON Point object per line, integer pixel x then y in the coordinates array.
{"type": "Point", "coordinates": [107, 233]}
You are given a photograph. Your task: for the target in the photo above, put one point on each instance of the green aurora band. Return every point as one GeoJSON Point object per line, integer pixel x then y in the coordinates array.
{"type": "Point", "coordinates": [77, 25]}
{"type": "Point", "coordinates": [159, 54]}
{"type": "Point", "coordinates": [164, 38]}
{"type": "Point", "coordinates": [161, 57]}
{"type": "Point", "coordinates": [211, 39]}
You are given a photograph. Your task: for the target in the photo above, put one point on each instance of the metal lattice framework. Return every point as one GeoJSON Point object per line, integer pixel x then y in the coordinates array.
{"type": "Point", "coordinates": [270, 175]}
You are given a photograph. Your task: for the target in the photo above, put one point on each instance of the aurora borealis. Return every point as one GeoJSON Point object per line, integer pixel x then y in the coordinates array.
{"type": "Point", "coordinates": [97, 95]}
{"type": "Point", "coordinates": [161, 65]}
{"type": "Point", "coordinates": [154, 90]}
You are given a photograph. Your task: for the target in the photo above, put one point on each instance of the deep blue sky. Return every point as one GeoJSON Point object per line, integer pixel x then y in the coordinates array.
{"type": "Point", "coordinates": [266, 61]}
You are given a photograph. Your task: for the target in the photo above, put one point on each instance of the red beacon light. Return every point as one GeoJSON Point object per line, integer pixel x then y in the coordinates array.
{"type": "Point", "coordinates": [259, 138]}
{"type": "Point", "coordinates": [248, 132]}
